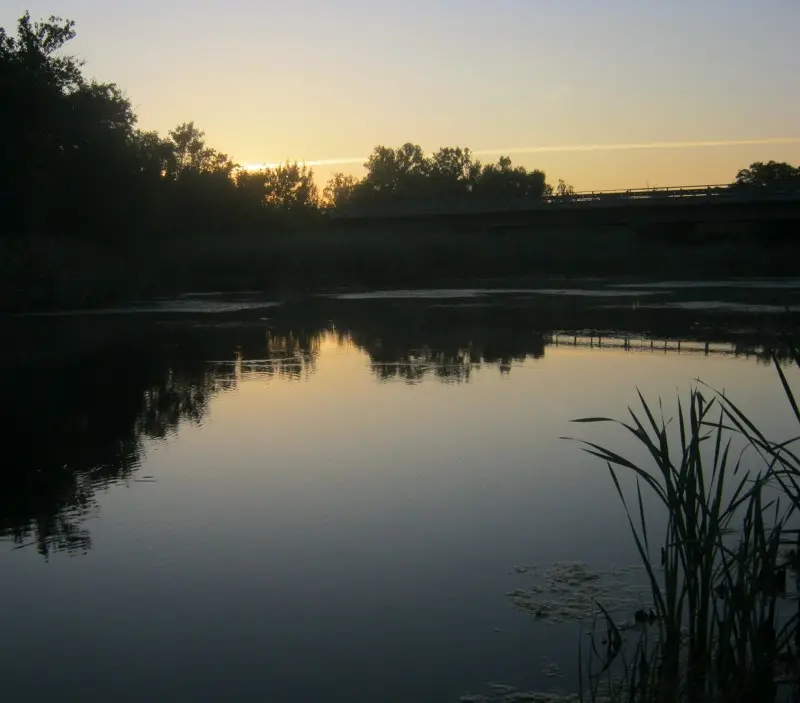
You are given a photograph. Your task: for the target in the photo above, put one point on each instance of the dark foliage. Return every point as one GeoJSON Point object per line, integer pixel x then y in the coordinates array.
{"type": "Point", "coordinates": [95, 209]}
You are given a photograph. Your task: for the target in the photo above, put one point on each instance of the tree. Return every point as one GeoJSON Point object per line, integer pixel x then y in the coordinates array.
{"type": "Point", "coordinates": [155, 156]}
{"type": "Point", "coordinates": [290, 186]}
{"type": "Point", "coordinates": [339, 191]}
{"type": "Point", "coordinates": [452, 171]}
{"type": "Point", "coordinates": [253, 185]}
{"type": "Point", "coordinates": [503, 179]}
{"type": "Point", "coordinates": [771, 173]}
{"type": "Point", "coordinates": [396, 172]}
{"type": "Point", "coordinates": [31, 54]}
{"type": "Point", "coordinates": [193, 156]}
{"type": "Point", "coordinates": [564, 188]}
{"type": "Point", "coordinates": [69, 145]}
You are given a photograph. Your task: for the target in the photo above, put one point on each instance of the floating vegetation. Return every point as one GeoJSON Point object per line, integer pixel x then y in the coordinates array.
{"type": "Point", "coordinates": [522, 569]}
{"type": "Point", "coordinates": [502, 693]}
{"type": "Point", "coordinates": [571, 592]}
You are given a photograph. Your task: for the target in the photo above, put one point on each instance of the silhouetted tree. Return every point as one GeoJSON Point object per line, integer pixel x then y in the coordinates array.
{"type": "Point", "coordinates": [503, 179]}
{"type": "Point", "coordinates": [393, 173]}
{"type": "Point", "coordinates": [563, 188]}
{"type": "Point", "coordinates": [252, 184]}
{"type": "Point", "coordinates": [453, 172]}
{"type": "Point", "coordinates": [155, 156]}
{"type": "Point", "coordinates": [66, 142]}
{"type": "Point", "coordinates": [290, 187]}
{"type": "Point", "coordinates": [771, 173]}
{"type": "Point", "coordinates": [339, 191]}
{"type": "Point", "coordinates": [406, 174]}
{"type": "Point", "coordinates": [193, 156]}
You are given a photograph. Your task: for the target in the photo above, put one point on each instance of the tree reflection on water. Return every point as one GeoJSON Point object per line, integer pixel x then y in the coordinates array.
{"type": "Point", "coordinates": [72, 428]}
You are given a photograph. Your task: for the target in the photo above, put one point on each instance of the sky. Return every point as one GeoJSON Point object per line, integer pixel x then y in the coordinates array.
{"type": "Point", "coordinates": [602, 93]}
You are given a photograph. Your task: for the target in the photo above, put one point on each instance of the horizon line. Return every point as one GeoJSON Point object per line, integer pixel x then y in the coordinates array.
{"type": "Point", "coordinates": [359, 160]}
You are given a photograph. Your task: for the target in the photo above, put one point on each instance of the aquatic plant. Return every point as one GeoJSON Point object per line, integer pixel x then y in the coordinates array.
{"type": "Point", "coordinates": [717, 576]}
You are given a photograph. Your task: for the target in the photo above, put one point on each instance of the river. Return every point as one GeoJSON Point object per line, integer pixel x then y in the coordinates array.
{"type": "Point", "coordinates": [232, 498]}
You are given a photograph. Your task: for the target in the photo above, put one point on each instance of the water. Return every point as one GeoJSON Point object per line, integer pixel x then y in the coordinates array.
{"type": "Point", "coordinates": [229, 499]}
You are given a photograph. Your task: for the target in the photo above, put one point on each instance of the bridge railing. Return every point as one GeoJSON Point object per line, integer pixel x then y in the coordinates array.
{"type": "Point", "coordinates": [467, 204]}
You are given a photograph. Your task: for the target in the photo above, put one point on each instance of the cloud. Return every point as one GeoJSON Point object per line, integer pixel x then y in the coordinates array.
{"type": "Point", "coordinates": [637, 145]}
{"type": "Point", "coordinates": [519, 150]}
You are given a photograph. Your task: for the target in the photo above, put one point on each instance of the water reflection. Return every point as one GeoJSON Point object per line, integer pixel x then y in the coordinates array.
{"type": "Point", "coordinates": [445, 352]}
{"type": "Point", "coordinates": [289, 355]}
{"type": "Point", "coordinates": [78, 426]}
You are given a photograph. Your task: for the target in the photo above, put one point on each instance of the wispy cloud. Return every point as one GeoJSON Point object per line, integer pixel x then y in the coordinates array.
{"type": "Point", "coordinates": [519, 150]}
{"type": "Point", "coordinates": [638, 145]}
{"type": "Point", "coordinates": [313, 162]}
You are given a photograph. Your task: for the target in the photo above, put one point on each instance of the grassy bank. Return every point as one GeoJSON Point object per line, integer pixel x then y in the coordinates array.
{"type": "Point", "coordinates": [49, 272]}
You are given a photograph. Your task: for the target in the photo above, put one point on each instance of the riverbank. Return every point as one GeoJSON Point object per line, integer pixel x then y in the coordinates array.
{"type": "Point", "coordinates": [48, 273]}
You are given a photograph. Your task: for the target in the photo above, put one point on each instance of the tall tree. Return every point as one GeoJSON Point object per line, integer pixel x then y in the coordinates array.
{"type": "Point", "coordinates": [339, 191]}
{"type": "Point", "coordinates": [452, 171]}
{"type": "Point", "coordinates": [193, 156]}
{"type": "Point", "coordinates": [66, 141]}
{"type": "Point", "coordinates": [396, 172]}
{"type": "Point", "coordinates": [771, 173]}
{"type": "Point", "coordinates": [291, 186]}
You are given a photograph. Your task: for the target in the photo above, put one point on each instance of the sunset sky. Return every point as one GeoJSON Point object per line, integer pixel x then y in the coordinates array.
{"type": "Point", "coordinates": [325, 81]}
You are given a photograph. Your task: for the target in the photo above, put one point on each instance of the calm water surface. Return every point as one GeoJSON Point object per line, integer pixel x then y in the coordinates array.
{"type": "Point", "coordinates": [325, 501]}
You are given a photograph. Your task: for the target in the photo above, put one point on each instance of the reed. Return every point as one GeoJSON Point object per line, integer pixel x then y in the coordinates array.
{"type": "Point", "coordinates": [718, 631]}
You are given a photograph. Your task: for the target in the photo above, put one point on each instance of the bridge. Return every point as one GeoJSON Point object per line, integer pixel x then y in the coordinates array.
{"type": "Point", "coordinates": [687, 204]}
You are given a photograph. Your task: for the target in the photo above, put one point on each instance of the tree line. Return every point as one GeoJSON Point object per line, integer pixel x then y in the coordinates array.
{"type": "Point", "coordinates": [75, 161]}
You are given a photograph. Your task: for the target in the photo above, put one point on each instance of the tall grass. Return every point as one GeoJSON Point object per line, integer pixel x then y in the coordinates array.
{"type": "Point", "coordinates": [717, 575]}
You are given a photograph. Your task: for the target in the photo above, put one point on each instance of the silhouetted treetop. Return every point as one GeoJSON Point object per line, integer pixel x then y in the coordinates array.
{"type": "Point", "coordinates": [291, 186]}
{"type": "Point", "coordinates": [193, 156]}
{"type": "Point", "coordinates": [771, 173]}
{"type": "Point", "coordinates": [406, 173]}
{"type": "Point", "coordinates": [339, 190]}
{"type": "Point", "coordinates": [32, 52]}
